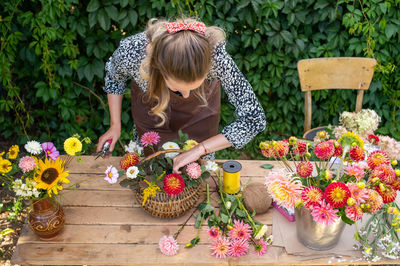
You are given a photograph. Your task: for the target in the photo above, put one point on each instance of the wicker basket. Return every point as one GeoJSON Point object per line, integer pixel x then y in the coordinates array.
{"type": "Point", "coordinates": [165, 206]}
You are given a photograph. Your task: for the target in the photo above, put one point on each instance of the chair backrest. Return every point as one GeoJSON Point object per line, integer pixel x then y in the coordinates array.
{"type": "Point", "coordinates": [334, 73]}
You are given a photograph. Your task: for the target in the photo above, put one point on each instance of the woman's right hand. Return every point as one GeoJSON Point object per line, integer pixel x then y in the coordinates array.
{"type": "Point", "coordinates": [114, 132]}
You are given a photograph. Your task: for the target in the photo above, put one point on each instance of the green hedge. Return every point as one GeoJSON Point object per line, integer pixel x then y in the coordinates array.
{"type": "Point", "coordinates": [53, 55]}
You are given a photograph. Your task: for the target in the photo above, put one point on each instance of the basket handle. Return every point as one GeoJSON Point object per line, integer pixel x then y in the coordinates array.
{"type": "Point", "coordinates": [159, 153]}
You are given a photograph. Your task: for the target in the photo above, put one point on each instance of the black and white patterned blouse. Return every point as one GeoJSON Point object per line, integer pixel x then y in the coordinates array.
{"type": "Point", "coordinates": [126, 61]}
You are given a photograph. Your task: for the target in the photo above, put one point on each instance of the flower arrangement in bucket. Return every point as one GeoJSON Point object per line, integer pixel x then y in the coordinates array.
{"type": "Point", "coordinates": [325, 198]}
{"type": "Point", "coordinates": [159, 191]}
{"type": "Point", "coordinates": [38, 176]}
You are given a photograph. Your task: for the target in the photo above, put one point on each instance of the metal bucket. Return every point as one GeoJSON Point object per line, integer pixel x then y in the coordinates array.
{"type": "Point", "coordinates": [315, 235]}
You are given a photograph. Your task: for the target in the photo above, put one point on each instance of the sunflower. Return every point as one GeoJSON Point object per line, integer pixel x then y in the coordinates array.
{"type": "Point", "coordinates": [51, 175]}
{"type": "Point", "coordinates": [72, 146]}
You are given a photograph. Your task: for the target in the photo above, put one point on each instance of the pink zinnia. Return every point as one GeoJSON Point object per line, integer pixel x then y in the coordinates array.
{"type": "Point", "coordinates": [50, 150]}
{"type": "Point", "coordinates": [324, 150]}
{"type": "Point", "coordinates": [354, 170]}
{"type": "Point", "coordinates": [27, 164]}
{"type": "Point", "coordinates": [193, 170]}
{"type": "Point", "coordinates": [238, 248]}
{"type": "Point", "coordinates": [213, 232]}
{"type": "Point", "coordinates": [354, 212]}
{"type": "Point", "coordinates": [111, 175]}
{"type": "Point", "coordinates": [324, 213]}
{"type": "Point", "coordinates": [220, 248]}
{"type": "Point", "coordinates": [360, 195]}
{"type": "Point", "coordinates": [168, 245]}
{"type": "Point", "coordinates": [149, 138]}
{"type": "Point", "coordinates": [240, 230]}
{"type": "Point", "coordinates": [260, 247]}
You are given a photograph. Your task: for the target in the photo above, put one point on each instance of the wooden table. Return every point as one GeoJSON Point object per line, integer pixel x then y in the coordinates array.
{"type": "Point", "coordinates": [105, 225]}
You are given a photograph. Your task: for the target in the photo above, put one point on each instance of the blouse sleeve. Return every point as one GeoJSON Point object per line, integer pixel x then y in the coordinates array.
{"type": "Point", "coordinates": [124, 62]}
{"type": "Point", "coordinates": [249, 113]}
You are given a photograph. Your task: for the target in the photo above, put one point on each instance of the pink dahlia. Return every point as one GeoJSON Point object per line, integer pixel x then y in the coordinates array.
{"type": "Point", "coordinates": [336, 194]}
{"type": "Point", "coordinates": [173, 184]}
{"type": "Point", "coordinates": [385, 173]}
{"type": "Point", "coordinates": [376, 158]}
{"type": "Point", "coordinates": [324, 150]}
{"type": "Point", "coordinates": [260, 247]}
{"type": "Point", "coordinates": [50, 150]}
{"type": "Point", "coordinates": [238, 248]}
{"type": "Point", "coordinates": [324, 213]}
{"type": "Point", "coordinates": [354, 212]}
{"type": "Point", "coordinates": [311, 196]}
{"type": "Point", "coordinates": [356, 154]}
{"type": "Point", "coordinates": [213, 232]}
{"type": "Point", "coordinates": [283, 190]}
{"type": "Point", "coordinates": [168, 245]}
{"type": "Point", "coordinates": [239, 231]}
{"type": "Point", "coordinates": [300, 148]}
{"type": "Point", "coordinates": [220, 248]}
{"type": "Point", "coordinates": [375, 201]}
{"type": "Point", "coordinates": [149, 138]}
{"type": "Point", "coordinates": [27, 164]}
{"type": "Point", "coordinates": [354, 170]}
{"type": "Point", "coordinates": [360, 195]}
{"type": "Point", "coordinates": [193, 170]}
{"type": "Point", "coordinates": [304, 169]}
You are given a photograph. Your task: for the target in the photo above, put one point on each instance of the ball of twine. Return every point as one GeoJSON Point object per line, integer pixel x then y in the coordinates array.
{"type": "Point", "coordinates": [256, 198]}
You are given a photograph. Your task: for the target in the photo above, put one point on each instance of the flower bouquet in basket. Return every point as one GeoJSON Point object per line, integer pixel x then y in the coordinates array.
{"type": "Point", "coordinates": [160, 192]}
{"type": "Point", "coordinates": [325, 197]}
{"type": "Point", "coordinates": [38, 175]}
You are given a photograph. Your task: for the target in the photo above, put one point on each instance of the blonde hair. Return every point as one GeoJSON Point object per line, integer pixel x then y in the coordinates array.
{"type": "Point", "coordinates": [184, 55]}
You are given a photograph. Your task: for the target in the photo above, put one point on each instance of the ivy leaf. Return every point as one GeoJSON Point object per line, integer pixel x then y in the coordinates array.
{"type": "Point", "coordinates": [267, 166]}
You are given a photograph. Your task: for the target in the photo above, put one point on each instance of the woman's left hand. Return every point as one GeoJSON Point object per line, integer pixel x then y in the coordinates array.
{"type": "Point", "coordinates": [187, 157]}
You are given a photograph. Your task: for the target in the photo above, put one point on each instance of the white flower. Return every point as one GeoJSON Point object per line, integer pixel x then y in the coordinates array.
{"type": "Point", "coordinates": [111, 174]}
{"type": "Point", "coordinates": [211, 166]}
{"type": "Point", "coordinates": [133, 147]}
{"type": "Point", "coordinates": [261, 231]}
{"type": "Point", "coordinates": [170, 146]}
{"type": "Point", "coordinates": [132, 172]}
{"type": "Point", "coordinates": [33, 147]}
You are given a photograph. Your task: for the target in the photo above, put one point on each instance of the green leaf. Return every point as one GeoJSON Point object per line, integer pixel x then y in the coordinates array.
{"type": "Point", "coordinates": [112, 12]}
{"type": "Point", "coordinates": [133, 16]}
{"type": "Point", "coordinates": [346, 219]}
{"type": "Point", "coordinates": [390, 30]}
{"type": "Point", "coordinates": [103, 19]}
{"type": "Point", "coordinates": [224, 218]}
{"type": "Point", "coordinates": [267, 166]}
{"type": "Point", "coordinates": [124, 3]}
{"type": "Point", "coordinates": [93, 6]}
{"type": "Point", "coordinates": [383, 7]}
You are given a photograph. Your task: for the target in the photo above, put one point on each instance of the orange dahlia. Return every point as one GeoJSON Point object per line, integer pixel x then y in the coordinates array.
{"type": "Point", "coordinates": [375, 201]}
{"type": "Point", "coordinates": [337, 194]}
{"type": "Point", "coordinates": [173, 184]}
{"type": "Point", "coordinates": [280, 148]}
{"type": "Point", "coordinates": [129, 159]}
{"type": "Point", "coordinates": [354, 212]}
{"type": "Point", "coordinates": [324, 150]}
{"type": "Point", "coordinates": [385, 173]}
{"type": "Point", "coordinates": [376, 158]}
{"type": "Point", "coordinates": [311, 196]}
{"type": "Point", "coordinates": [356, 154]}
{"type": "Point", "coordinates": [304, 169]}
{"type": "Point", "coordinates": [388, 195]}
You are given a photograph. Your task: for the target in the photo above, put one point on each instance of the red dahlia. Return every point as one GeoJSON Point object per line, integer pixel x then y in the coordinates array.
{"type": "Point", "coordinates": [396, 184]}
{"type": "Point", "coordinates": [173, 184]}
{"type": "Point", "coordinates": [385, 173]}
{"type": "Point", "coordinates": [129, 159]}
{"type": "Point", "coordinates": [324, 150]}
{"type": "Point", "coordinates": [300, 148]}
{"type": "Point", "coordinates": [376, 158]}
{"type": "Point", "coordinates": [356, 154]}
{"type": "Point", "coordinates": [336, 194]}
{"type": "Point", "coordinates": [304, 169]}
{"type": "Point", "coordinates": [389, 195]}
{"type": "Point", "coordinates": [311, 196]}
{"type": "Point", "coordinates": [338, 149]}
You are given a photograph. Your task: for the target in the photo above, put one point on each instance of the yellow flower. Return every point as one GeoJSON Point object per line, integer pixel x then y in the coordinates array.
{"type": "Point", "coordinates": [5, 166]}
{"type": "Point", "coordinates": [151, 190]}
{"type": "Point", "coordinates": [72, 146]}
{"type": "Point", "coordinates": [347, 139]}
{"type": "Point", "coordinates": [13, 152]}
{"type": "Point", "coordinates": [189, 144]}
{"type": "Point", "coordinates": [51, 175]}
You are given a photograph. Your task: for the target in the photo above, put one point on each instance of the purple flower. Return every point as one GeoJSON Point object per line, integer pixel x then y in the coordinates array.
{"type": "Point", "coordinates": [50, 150]}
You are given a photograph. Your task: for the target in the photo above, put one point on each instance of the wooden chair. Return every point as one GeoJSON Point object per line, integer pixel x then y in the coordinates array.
{"type": "Point", "coordinates": [333, 73]}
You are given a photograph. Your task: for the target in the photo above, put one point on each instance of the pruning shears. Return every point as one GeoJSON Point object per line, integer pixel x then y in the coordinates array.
{"type": "Point", "coordinates": [105, 150]}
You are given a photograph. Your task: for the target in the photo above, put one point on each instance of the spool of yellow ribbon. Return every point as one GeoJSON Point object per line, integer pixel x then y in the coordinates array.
{"type": "Point", "coordinates": [231, 181]}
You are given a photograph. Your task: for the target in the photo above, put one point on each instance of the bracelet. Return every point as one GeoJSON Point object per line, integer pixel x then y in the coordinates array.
{"type": "Point", "coordinates": [204, 147]}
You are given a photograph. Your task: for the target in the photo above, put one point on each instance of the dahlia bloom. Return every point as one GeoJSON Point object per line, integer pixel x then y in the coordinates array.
{"type": "Point", "coordinates": [240, 231]}
{"type": "Point", "coordinates": [354, 170]}
{"type": "Point", "coordinates": [388, 195]}
{"type": "Point", "coordinates": [304, 169]}
{"type": "Point", "coordinates": [193, 170]}
{"type": "Point", "coordinates": [356, 154]}
{"type": "Point", "coordinates": [324, 213]}
{"type": "Point", "coordinates": [324, 150]}
{"type": "Point", "coordinates": [173, 184]}
{"type": "Point", "coordinates": [354, 212]}
{"type": "Point", "coordinates": [27, 164]}
{"type": "Point", "coordinates": [150, 138]}
{"type": "Point", "coordinates": [385, 173]}
{"type": "Point", "coordinates": [220, 248]}
{"type": "Point", "coordinates": [33, 147]}
{"type": "Point", "coordinates": [376, 158]}
{"type": "Point", "coordinates": [360, 195]}
{"type": "Point", "coordinates": [300, 148]}
{"type": "Point", "coordinates": [375, 201]}
{"type": "Point", "coordinates": [214, 232]}
{"type": "Point", "coordinates": [168, 245]}
{"type": "Point", "coordinates": [337, 194]}
{"type": "Point", "coordinates": [282, 189]}
{"type": "Point", "coordinates": [238, 248]}
{"type": "Point", "coordinates": [311, 196]}
{"type": "Point", "coordinates": [260, 247]}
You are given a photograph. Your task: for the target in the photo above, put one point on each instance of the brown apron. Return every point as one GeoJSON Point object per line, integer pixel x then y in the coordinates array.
{"type": "Point", "coordinates": [185, 114]}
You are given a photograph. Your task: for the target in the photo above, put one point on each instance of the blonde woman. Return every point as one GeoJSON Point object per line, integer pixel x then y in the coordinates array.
{"type": "Point", "coordinates": [177, 70]}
